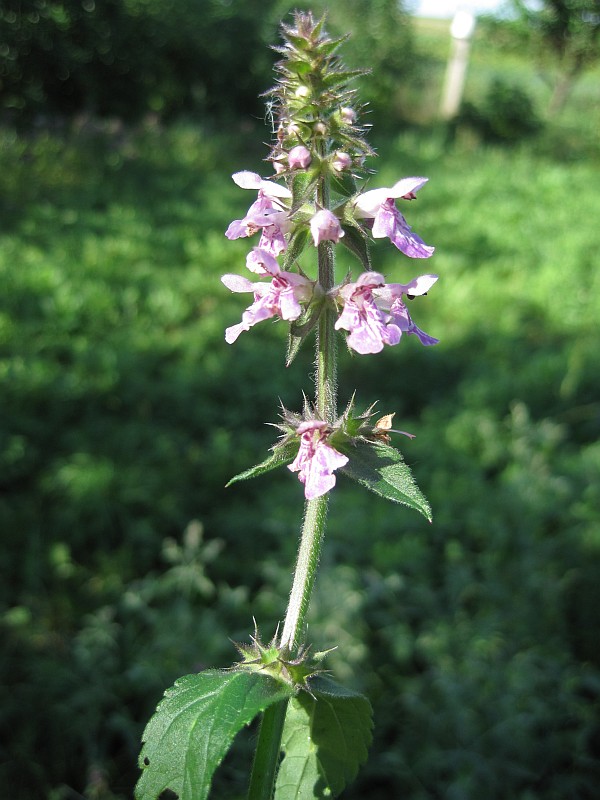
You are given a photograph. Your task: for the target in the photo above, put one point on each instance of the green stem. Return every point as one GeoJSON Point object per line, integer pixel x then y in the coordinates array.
{"type": "Point", "coordinates": [313, 528]}
{"type": "Point", "coordinates": [266, 757]}
{"type": "Point", "coordinates": [315, 511]}
{"type": "Point", "coordinates": [326, 362]}
{"type": "Point", "coordinates": [268, 748]}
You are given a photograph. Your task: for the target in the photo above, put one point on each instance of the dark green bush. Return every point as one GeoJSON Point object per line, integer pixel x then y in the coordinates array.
{"type": "Point", "coordinates": [127, 58]}
{"type": "Point", "coordinates": [506, 114]}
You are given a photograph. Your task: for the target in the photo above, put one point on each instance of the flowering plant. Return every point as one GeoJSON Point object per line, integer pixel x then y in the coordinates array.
{"type": "Point", "coordinates": [312, 203]}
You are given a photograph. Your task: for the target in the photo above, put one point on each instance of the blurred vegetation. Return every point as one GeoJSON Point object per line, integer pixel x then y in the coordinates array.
{"type": "Point", "coordinates": [564, 34]}
{"type": "Point", "coordinates": [128, 58]}
{"type": "Point", "coordinates": [125, 563]}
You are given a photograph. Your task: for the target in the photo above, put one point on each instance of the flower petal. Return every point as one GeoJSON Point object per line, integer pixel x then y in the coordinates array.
{"type": "Point", "coordinates": [237, 283]}
{"type": "Point", "coordinates": [252, 180]}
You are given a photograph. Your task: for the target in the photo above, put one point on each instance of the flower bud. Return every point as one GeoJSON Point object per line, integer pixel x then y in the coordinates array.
{"type": "Point", "coordinates": [341, 161]}
{"type": "Point", "coordinates": [325, 226]}
{"type": "Point", "coordinates": [348, 115]}
{"type": "Point", "coordinates": [299, 157]}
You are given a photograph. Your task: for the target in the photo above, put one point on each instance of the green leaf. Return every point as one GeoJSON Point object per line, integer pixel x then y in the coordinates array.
{"type": "Point", "coordinates": [296, 246]}
{"type": "Point", "coordinates": [340, 77]}
{"type": "Point", "coordinates": [299, 330]}
{"type": "Point", "coordinates": [325, 740]}
{"type": "Point", "coordinates": [280, 454]}
{"type": "Point", "coordinates": [194, 726]}
{"type": "Point", "coordinates": [344, 184]}
{"type": "Point", "coordinates": [382, 469]}
{"type": "Point", "coordinates": [356, 242]}
{"type": "Point", "coordinates": [304, 184]}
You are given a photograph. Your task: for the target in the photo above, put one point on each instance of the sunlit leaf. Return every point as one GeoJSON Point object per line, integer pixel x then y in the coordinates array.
{"type": "Point", "coordinates": [382, 469]}
{"type": "Point", "coordinates": [325, 740]}
{"type": "Point", "coordinates": [194, 726]}
{"type": "Point", "coordinates": [281, 454]}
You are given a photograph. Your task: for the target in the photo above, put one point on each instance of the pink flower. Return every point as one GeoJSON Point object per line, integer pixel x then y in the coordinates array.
{"type": "Point", "coordinates": [269, 213]}
{"type": "Point", "coordinates": [369, 327]}
{"type": "Point", "coordinates": [325, 226]}
{"type": "Point", "coordinates": [375, 314]}
{"type": "Point", "coordinates": [389, 297]}
{"type": "Point", "coordinates": [299, 157]}
{"type": "Point", "coordinates": [316, 460]}
{"type": "Point", "coordinates": [282, 297]}
{"type": "Point", "coordinates": [378, 207]}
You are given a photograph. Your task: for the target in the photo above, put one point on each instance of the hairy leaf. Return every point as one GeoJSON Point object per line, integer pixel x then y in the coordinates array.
{"type": "Point", "coordinates": [325, 740]}
{"type": "Point", "coordinates": [194, 726]}
{"type": "Point", "coordinates": [382, 469]}
{"type": "Point", "coordinates": [280, 454]}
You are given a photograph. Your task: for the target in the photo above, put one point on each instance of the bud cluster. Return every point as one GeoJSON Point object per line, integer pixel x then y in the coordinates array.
{"type": "Point", "coordinates": [315, 108]}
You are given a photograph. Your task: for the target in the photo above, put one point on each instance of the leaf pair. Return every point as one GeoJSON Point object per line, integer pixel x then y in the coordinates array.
{"type": "Point", "coordinates": [375, 465]}
{"type": "Point", "coordinates": [325, 737]}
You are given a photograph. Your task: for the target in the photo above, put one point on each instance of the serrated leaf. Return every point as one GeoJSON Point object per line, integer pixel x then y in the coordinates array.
{"type": "Point", "coordinates": [382, 469]}
{"type": "Point", "coordinates": [325, 740]}
{"type": "Point", "coordinates": [194, 726]}
{"type": "Point", "coordinates": [281, 454]}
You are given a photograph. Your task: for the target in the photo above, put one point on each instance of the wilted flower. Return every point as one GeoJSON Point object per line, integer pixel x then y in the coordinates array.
{"type": "Point", "coordinates": [282, 297]}
{"type": "Point", "coordinates": [374, 313]}
{"type": "Point", "coordinates": [269, 212]}
{"type": "Point", "coordinates": [316, 460]}
{"type": "Point", "coordinates": [378, 208]}
{"type": "Point", "coordinates": [325, 226]}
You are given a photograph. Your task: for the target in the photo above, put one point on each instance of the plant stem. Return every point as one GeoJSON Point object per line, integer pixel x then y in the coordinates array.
{"type": "Point", "coordinates": [315, 515]}
{"type": "Point", "coordinates": [266, 757]}
{"type": "Point", "coordinates": [326, 362]}
{"type": "Point", "coordinates": [315, 511]}
{"type": "Point", "coordinates": [268, 748]}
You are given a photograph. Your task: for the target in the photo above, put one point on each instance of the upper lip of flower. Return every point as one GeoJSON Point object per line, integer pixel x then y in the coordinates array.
{"type": "Point", "coordinates": [368, 203]}
{"type": "Point", "coordinates": [252, 180]}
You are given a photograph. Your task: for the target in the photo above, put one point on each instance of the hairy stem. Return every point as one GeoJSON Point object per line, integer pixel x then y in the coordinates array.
{"type": "Point", "coordinates": [315, 511]}
{"type": "Point", "coordinates": [268, 748]}
{"type": "Point", "coordinates": [326, 372]}
{"type": "Point", "coordinates": [315, 516]}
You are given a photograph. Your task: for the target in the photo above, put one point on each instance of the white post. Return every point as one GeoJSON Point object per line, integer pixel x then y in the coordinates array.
{"type": "Point", "coordinates": [461, 30]}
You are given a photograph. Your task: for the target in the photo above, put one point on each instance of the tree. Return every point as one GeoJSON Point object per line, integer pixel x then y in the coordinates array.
{"type": "Point", "coordinates": [567, 32]}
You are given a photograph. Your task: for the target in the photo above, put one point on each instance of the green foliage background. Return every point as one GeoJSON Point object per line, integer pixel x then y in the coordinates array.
{"type": "Point", "coordinates": [123, 413]}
